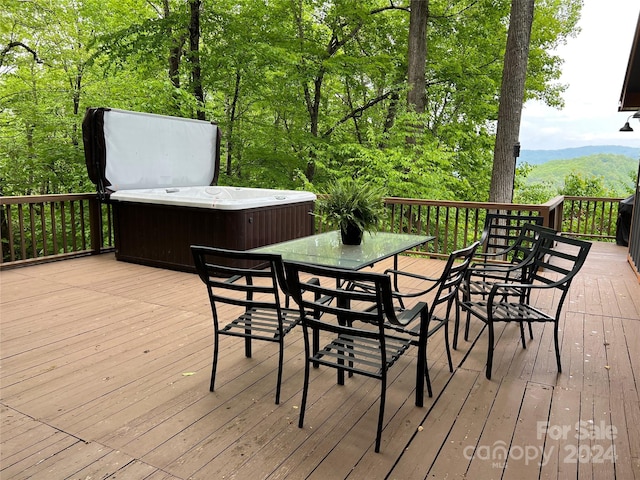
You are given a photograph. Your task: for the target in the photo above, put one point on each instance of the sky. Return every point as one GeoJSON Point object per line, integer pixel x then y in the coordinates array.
{"type": "Point", "coordinates": [595, 64]}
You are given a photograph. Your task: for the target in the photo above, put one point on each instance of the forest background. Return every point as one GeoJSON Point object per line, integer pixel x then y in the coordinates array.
{"type": "Point", "coordinates": [304, 91]}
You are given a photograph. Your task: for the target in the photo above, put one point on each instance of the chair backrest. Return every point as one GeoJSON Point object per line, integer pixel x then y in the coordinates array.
{"type": "Point", "coordinates": [452, 275]}
{"type": "Point", "coordinates": [334, 296]}
{"type": "Point", "coordinates": [529, 243]}
{"type": "Point", "coordinates": [558, 259]}
{"type": "Point", "coordinates": [240, 278]}
{"type": "Point", "coordinates": [502, 230]}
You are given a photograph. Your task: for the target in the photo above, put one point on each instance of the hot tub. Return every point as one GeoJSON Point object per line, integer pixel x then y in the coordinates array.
{"type": "Point", "coordinates": [218, 197]}
{"type": "Point", "coordinates": [159, 174]}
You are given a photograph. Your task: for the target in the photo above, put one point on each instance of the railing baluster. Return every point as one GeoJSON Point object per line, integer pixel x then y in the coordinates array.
{"type": "Point", "coordinates": [52, 210]}
{"type": "Point", "coordinates": [455, 229]}
{"type": "Point", "coordinates": [63, 229]}
{"type": "Point", "coordinates": [82, 225]}
{"type": "Point", "coordinates": [12, 252]}
{"type": "Point", "coordinates": [45, 237]}
{"type": "Point", "coordinates": [23, 246]}
{"type": "Point", "coordinates": [446, 228]}
{"type": "Point", "coordinates": [437, 233]}
{"type": "Point", "coordinates": [34, 239]}
{"type": "Point", "coordinates": [612, 219]}
{"type": "Point", "coordinates": [72, 213]}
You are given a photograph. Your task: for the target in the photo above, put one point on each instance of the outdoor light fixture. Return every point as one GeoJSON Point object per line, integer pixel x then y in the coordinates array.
{"type": "Point", "coordinates": [627, 127]}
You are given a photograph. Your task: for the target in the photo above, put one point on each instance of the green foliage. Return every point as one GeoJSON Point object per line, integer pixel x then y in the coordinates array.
{"type": "Point", "coordinates": [534, 194]}
{"type": "Point", "coordinates": [618, 170]}
{"type": "Point", "coordinates": [579, 185]}
{"type": "Point", "coordinates": [303, 91]}
{"type": "Point", "coordinates": [349, 201]}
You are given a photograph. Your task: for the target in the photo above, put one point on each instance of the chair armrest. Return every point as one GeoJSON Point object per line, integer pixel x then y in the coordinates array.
{"type": "Point", "coordinates": [409, 274]}
{"type": "Point", "coordinates": [405, 317]}
{"type": "Point", "coordinates": [495, 289]}
{"type": "Point", "coordinates": [398, 294]}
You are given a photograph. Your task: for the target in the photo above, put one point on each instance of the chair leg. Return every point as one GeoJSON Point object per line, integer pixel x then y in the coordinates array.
{"type": "Point", "coordinates": [421, 373]}
{"type": "Point", "coordinates": [305, 389]}
{"type": "Point", "coordinates": [316, 344]}
{"type": "Point", "coordinates": [530, 331]}
{"type": "Point", "coordinates": [490, 350]}
{"type": "Point", "coordinates": [340, 372]}
{"type": "Point", "coordinates": [280, 362]}
{"type": "Point", "coordinates": [557, 345]}
{"type": "Point", "coordinates": [466, 327]}
{"type": "Point", "coordinates": [428, 379]}
{"type": "Point", "coordinates": [446, 343]}
{"type": "Point", "coordinates": [426, 371]}
{"type": "Point", "coordinates": [524, 342]}
{"type": "Point", "coordinates": [383, 391]}
{"type": "Point", "coordinates": [214, 363]}
{"type": "Point", "coordinates": [456, 325]}
{"type": "Point", "coordinates": [247, 345]}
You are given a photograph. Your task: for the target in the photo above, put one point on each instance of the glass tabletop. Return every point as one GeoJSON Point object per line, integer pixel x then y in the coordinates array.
{"type": "Point", "coordinates": [327, 249]}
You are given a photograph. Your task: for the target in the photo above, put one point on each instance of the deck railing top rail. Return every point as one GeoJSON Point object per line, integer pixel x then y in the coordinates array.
{"type": "Point", "coordinates": [553, 203]}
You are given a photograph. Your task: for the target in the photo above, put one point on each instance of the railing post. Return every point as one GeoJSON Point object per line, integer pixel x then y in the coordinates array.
{"type": "Point", "coordinates": [552, 212]}
{"type": "Point", "coordinates": [95, 225]}
{"type": "Point", "coordinates": [559, 216]}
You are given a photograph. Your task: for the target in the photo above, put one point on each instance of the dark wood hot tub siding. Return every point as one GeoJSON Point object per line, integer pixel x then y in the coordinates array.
{"type": "Point", "coordinates": [160, 235]}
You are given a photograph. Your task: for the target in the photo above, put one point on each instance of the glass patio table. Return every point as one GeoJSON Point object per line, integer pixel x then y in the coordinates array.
{"type": "Point", "coordinates": [326, 249]}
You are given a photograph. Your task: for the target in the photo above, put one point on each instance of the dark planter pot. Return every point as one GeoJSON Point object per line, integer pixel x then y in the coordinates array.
{"type": "Point", "coordinates": [352, 235]}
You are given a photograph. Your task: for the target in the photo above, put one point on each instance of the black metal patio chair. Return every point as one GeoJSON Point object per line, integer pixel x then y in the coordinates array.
{"type": "Point", "coordinates": [556, 264]}
{"type": "Point", "coordinates": [481, 276]}
{"type": "Point", "coordinates": [356, 320]}
{"type": "Point", "coordinates": [499, 234]}
{"type": "Point", "coordinates": [444, 289]}
{"type": "Point", "coordinates": [251, 281]}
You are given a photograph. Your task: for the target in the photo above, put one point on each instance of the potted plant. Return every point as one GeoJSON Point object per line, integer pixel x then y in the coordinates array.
{"type": "Point", "coordinates": [354, 206]}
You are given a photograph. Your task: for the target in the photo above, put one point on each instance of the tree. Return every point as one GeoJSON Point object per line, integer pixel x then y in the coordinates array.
{"type": "Point", "coordinates": [511, 101]}
{"type": "Point", "coordinates": [194, 57]}
{"type": "Point", "coordinates": [417, 55]}
{"type": "Point", "coordinates": [296, 86]}
{"type": "Point", "coordinates": [579, 185]}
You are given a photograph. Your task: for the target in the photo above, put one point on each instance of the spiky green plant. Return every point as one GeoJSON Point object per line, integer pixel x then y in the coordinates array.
{"type": "Point", "coordinates": [351, 201]}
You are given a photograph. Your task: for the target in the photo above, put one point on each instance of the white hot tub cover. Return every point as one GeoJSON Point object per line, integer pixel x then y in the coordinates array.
{"type": "Point", "coordinates": [131, 150]}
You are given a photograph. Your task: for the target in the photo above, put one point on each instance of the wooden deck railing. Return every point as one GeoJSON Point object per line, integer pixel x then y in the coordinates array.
{"type": "Point", "coordinates": [52, 227]}
{"type": "Point", "coordinates": [456, 224]}
{"type": "Point", "coordinates": [44, 228]}
{"type": "Point", "coordinates": [592, 217]}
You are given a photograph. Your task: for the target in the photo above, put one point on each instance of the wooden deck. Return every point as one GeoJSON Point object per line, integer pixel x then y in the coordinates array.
{"type": "Point", "coordinates": [105, 372]}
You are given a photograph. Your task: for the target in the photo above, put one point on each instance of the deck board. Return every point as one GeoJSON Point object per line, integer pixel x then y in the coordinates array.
{"type": "Point", "coordinates": [105, 371]}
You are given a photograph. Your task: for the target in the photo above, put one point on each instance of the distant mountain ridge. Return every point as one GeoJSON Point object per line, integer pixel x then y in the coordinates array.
{"type": "Point", "coordinates": [616, 171]}
{"type": "Point", "coordinates": [537, 157]}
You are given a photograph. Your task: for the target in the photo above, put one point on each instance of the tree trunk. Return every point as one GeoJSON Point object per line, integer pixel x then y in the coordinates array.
{"type": "Point", "coordinates": [194, 47]}
{"type": "Point", "coordinates": [514, 74]}
{"type": "Point", "coordinates": [174, 51]}
{"type": "Point", "coordinates": [231, 115]}
{"type": "Point", "coordinates": [417, 55]}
